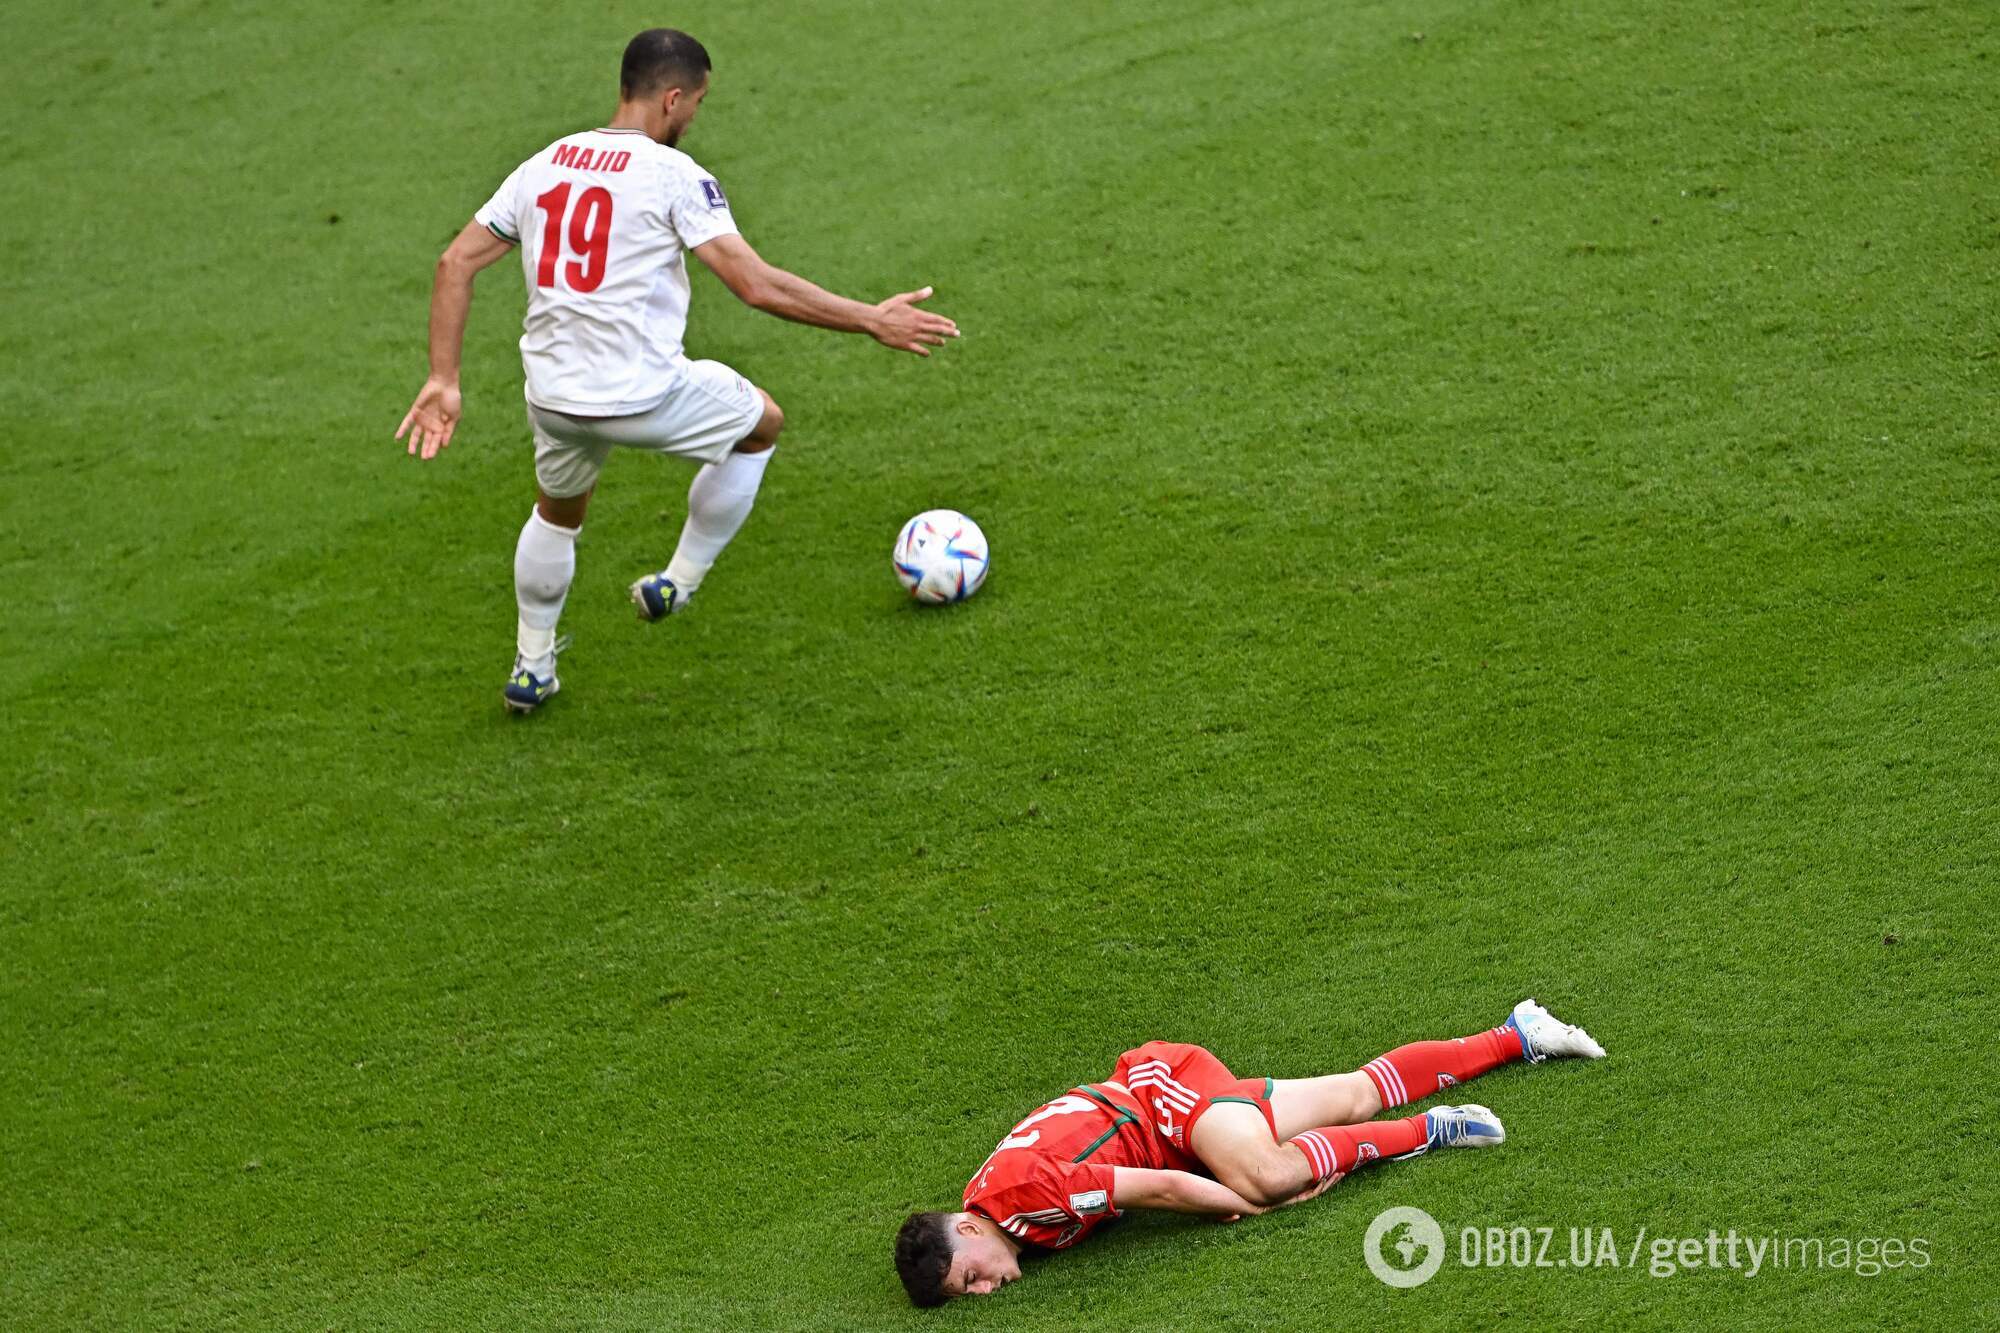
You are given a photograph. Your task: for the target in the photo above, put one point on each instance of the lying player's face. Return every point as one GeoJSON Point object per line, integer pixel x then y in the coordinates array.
{"type": "Point", "coordinates": [980, 1265]}
{"type": "Point", "coordinates": [683, 113]}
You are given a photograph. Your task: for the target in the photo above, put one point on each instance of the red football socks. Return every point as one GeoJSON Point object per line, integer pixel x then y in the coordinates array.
{"type": "Point", "coordinates": [1411, 1073]}
{"type": "Point", "coordinates": [1339, 1149]}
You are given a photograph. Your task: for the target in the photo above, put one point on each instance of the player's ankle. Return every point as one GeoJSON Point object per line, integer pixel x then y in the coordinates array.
{"type": "Point", "coordinates": [536, 646]}
{"type": "Point", "coordinates": [685, 575]}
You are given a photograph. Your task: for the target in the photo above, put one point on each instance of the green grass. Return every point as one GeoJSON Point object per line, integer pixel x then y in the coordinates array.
{"type": "Point", "coordinates": [1487, 499]}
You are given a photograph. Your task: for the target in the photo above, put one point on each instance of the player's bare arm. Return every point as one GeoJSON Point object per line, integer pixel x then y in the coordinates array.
{"type": "Point", "coordinates": [434, 416]}
{"type": "Point", "coordinates": [896, 322]}
{"type": "Point", "coordinates": [1178, 1192]}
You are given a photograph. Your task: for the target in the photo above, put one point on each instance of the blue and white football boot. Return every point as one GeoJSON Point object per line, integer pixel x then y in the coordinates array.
{"type": "Point", "coordinates": [1462, 1127]}
{"type": "Point", "coordinates": [525, 691]}
{"type": "Point", "coordinates": [1544, 1036]}
{"type": "Point", "coordinates": [658, 597]}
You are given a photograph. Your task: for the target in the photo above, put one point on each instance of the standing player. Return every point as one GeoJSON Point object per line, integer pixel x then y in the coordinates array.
{"type": "Point", "coordinates": [604, 220]}
{"type": "Point", "coordinates": [1172, 1128]}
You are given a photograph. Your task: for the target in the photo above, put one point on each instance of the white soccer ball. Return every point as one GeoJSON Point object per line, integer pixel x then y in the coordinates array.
{"type": "Point", "coordinates": [940, 557]}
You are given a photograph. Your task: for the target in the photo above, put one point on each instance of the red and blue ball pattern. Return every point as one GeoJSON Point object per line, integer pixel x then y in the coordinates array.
{"type": "Point", "coordinates": [941, 556]}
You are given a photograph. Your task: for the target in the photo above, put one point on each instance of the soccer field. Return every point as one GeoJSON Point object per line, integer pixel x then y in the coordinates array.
{"type": "Point", "coordinates": [1487, 500]}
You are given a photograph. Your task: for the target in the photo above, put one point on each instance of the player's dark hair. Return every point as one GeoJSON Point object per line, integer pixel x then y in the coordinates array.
{"type": "Point", "coordinates": [923, 1257]}
{"type": "Point", "coordinates": [662, 58]}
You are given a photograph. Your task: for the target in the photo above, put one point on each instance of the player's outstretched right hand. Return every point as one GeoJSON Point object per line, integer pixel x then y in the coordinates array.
{"type": "Point", "coordinates": [899, 324]}
{"type": "Point", "coordinates": [433, 417]}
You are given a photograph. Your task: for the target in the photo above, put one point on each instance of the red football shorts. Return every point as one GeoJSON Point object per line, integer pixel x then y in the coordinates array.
{"type": "Point", "coordinates": [1174, 1084]}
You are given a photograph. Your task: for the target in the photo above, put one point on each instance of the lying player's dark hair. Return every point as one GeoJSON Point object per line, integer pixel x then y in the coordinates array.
{"type": "Point", "coordinates": [662, 58]}
{"type": "Point", "coordinates": [923, 1257]}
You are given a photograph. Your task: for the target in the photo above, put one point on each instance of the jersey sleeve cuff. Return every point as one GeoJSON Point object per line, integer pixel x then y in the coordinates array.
{"type": "Point", "coordinates": [696, 240]}
{"type": "Point", "coordinates": [496, 229]}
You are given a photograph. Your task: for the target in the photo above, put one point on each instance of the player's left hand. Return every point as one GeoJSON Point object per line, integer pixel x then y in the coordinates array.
{"type": "Point", "coordinates": [433, 417]}
{"type": "Point", "coordinates": [899, 324]}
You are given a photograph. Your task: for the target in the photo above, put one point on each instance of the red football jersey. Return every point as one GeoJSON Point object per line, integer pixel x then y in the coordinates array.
{"type": "Point", "coordinates": [1049, 1182]}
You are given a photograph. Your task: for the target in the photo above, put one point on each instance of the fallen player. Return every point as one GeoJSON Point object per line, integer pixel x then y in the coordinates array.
{"type": "Point", "coordinates": [1173, 1129]}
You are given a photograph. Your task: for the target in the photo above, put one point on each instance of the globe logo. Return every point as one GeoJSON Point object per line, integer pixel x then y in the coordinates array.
{"type": "Point", "coordinates": [1404, 1246]}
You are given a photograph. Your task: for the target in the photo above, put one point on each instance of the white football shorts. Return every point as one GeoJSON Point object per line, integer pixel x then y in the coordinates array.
{"type": "Point", "coordinates": [708, 414]}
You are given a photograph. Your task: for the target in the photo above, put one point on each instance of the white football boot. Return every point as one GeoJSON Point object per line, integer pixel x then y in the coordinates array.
{"type": "Point", "coordinates": [1544, 1036]}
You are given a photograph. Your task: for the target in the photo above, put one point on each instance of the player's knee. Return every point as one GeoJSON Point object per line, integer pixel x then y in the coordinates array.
{"type": "Point", "coordinates": [1364, 1100]}
{"type": "Point", "coordinates": [563, 511]}
{"type": "Point", "coordinates": [771, 423]}
{"type": "Point", "coordinates": [1268, 1181]}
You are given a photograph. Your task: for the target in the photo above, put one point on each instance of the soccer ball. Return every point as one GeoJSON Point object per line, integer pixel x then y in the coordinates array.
{"type": "Point", "coordinates": [940, 556]}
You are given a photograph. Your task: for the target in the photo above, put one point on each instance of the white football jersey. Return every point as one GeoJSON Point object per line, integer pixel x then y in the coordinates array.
{"type": "Point", "coordinates": [605, 219]}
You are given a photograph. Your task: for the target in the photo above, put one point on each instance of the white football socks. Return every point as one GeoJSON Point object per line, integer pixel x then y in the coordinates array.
{"type": "Point", "coordinates": [544, 564]}
{"type": "Point", "coordinates": [718, 501]}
